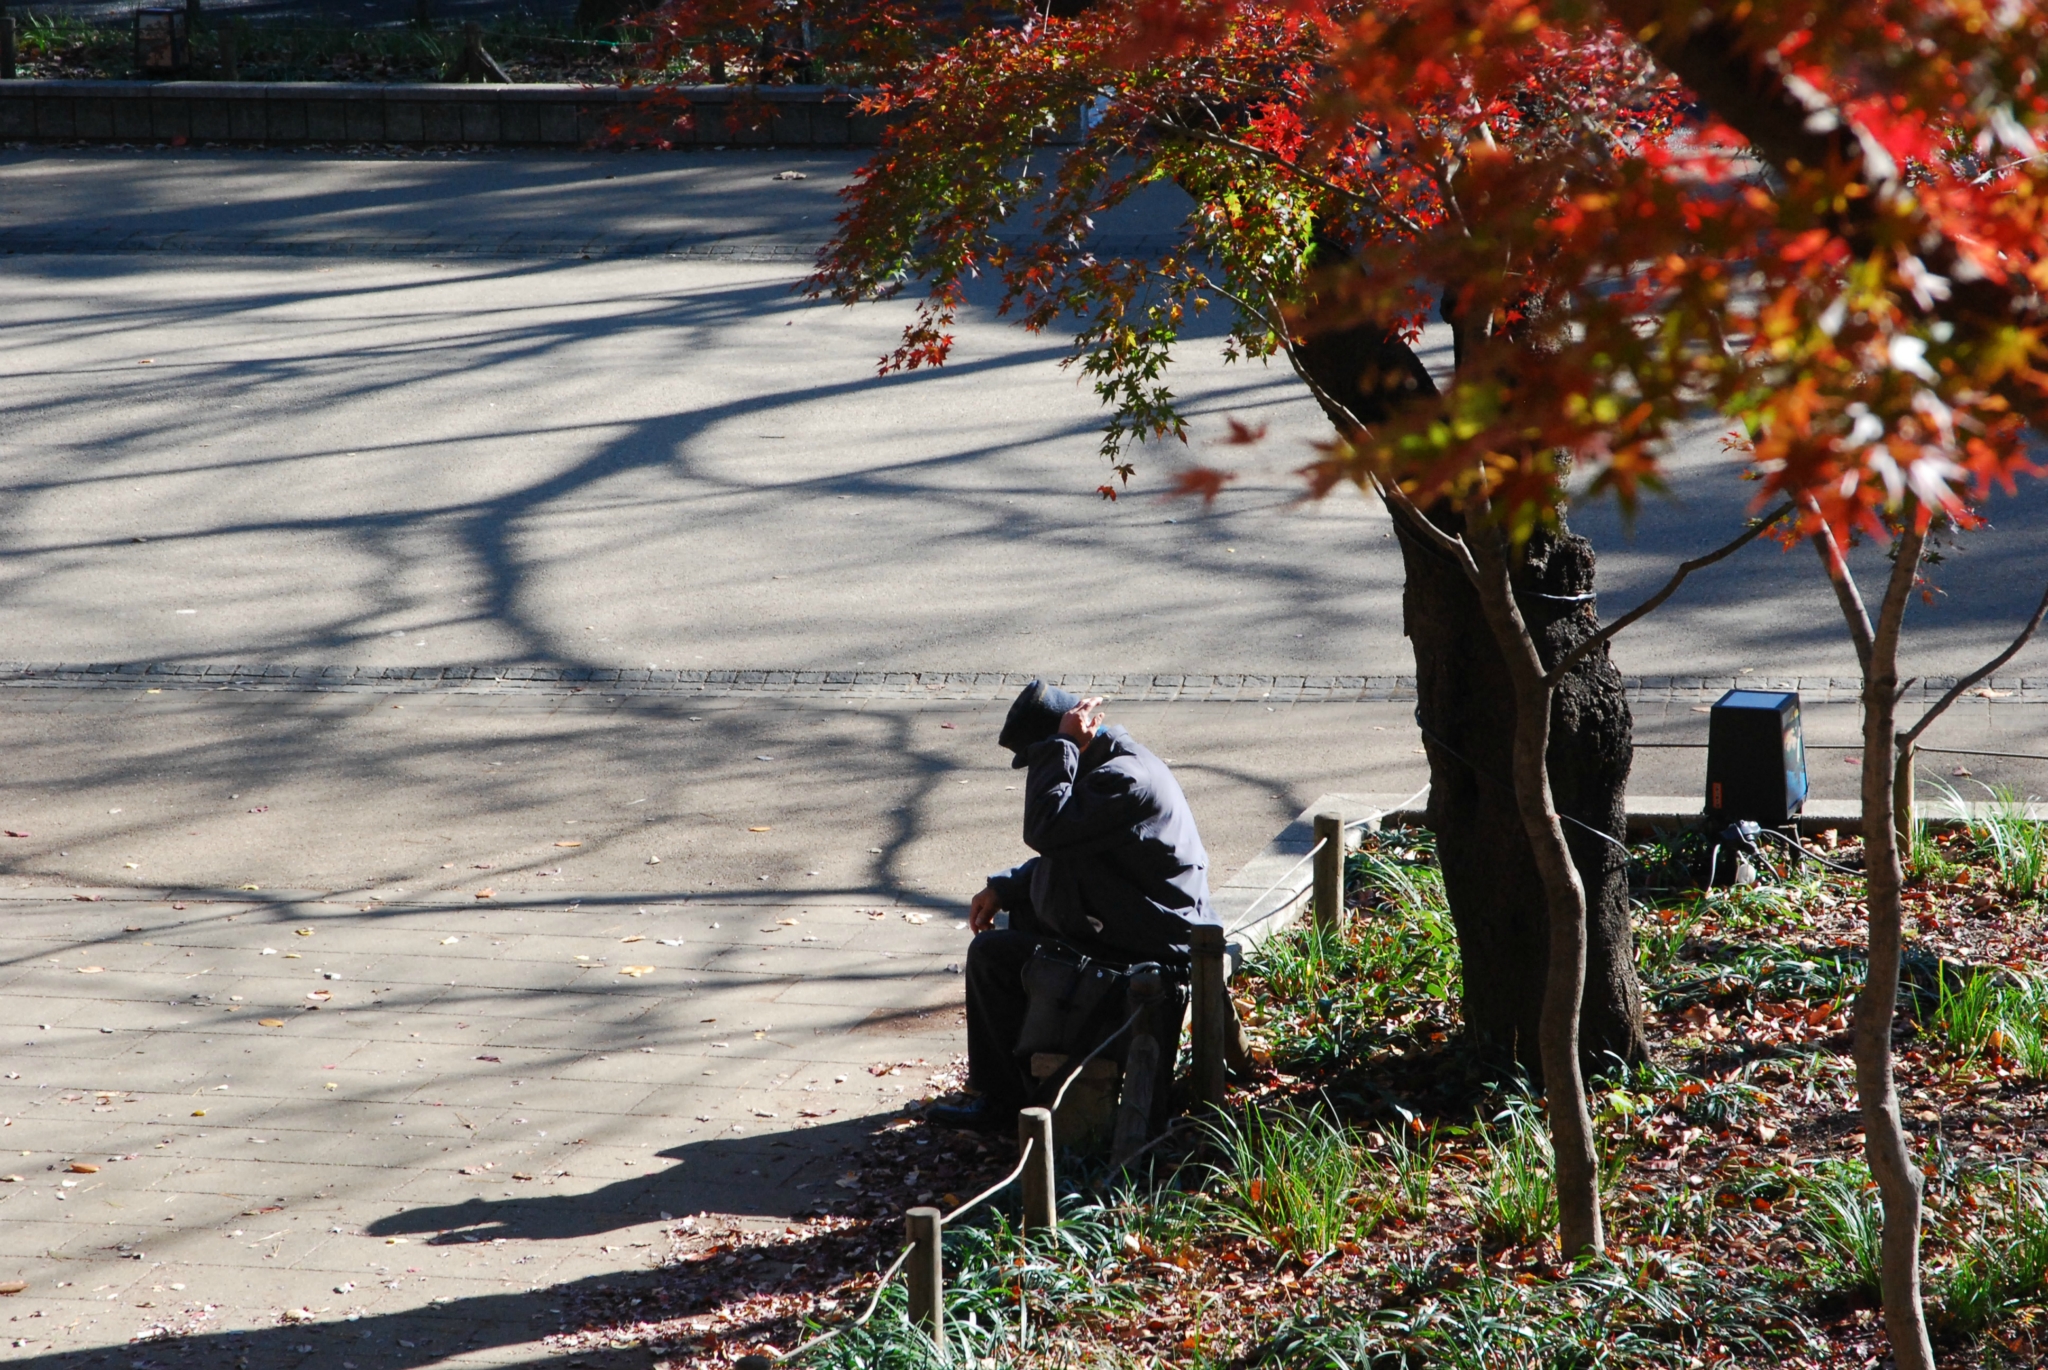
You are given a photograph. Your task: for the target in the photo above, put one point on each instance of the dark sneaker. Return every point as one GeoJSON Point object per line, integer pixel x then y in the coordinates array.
{"type": "Point", "coordinates": [973, 1114]}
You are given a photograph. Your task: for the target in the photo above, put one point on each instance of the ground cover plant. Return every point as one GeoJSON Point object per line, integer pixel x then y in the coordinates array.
{"type": "Point", "coordinates": [1377, 1195]}
{"type": "Point", "coordinates": [530, 48]}
{"type": "Point", "coordinates": [67, 47]}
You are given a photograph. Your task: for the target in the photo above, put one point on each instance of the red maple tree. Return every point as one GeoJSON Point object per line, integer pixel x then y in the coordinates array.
{"type": "Point", "coordinates": [1825, 223]}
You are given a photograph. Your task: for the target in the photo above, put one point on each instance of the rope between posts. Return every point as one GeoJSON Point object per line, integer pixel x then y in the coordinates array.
{"type": "Point", "coordinates": [1286, 903]}
{"type": "Point", "coordinates": [993, 1189]}
{"type": "Point", "coordinates": [868, 1312]}
{"type": "Point", "coordinates": [949, 1219]}
{"type": "Point", "coordinates": [1276, 885]}
{"type": "Point", "coordinates": [1075, 1073]}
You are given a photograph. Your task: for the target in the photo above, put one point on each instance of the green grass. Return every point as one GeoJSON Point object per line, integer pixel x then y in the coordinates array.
{"type": "Point", "coordinates": [1633, 1310]}
{"type": "Point", "coordinates": [1002, 1294]}
{"type": "Point", "coordinates": [2001, 1265]}
{"type": "Point", "coordinates": [1990, 1016]}
{"type": "Point", "coordinates": [1390, 970]}
{"type": "Point", "coordinates": [2015, 845]}
{"type": "Point", "coordinates": [1842, 1220]}
{"type": "Point", "coordinates": [1517, 1196]}
{"type": "Point", "coordinates": [1299, 1182]}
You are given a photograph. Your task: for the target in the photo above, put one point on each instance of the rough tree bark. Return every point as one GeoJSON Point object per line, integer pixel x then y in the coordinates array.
{"type": "Point", "coordinates": [1466, 705]}
{"type": "Point", "coordinates": [1576, 1164]}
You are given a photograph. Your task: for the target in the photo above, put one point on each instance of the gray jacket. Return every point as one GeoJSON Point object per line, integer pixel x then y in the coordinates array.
{"type": "Point", "coordinates": [1120, 869]}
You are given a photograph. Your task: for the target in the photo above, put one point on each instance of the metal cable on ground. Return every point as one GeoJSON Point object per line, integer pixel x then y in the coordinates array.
{"type": "Point", "coordinates": [1075, 1073]}
{"type": "Point", "coordinates": [1800, 847]}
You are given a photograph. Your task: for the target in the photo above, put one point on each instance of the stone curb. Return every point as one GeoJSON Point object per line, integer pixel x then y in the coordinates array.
{"type": "Point", "coordinates": [536, 115]}
{"type": "Point", "coordinates": [1268, 890]}
{"type": "Point", "coordinates": [863, 684]}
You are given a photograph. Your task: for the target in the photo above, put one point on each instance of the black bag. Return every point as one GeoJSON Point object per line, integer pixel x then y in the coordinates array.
{"type": "Point", "coordinates": [1071, 1002]}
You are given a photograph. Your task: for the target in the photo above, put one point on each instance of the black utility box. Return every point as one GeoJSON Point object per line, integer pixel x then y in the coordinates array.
{"type": "Point", "coordinates": [163, 42]}
{"type": "Point", "coordinates": [1756, 758]}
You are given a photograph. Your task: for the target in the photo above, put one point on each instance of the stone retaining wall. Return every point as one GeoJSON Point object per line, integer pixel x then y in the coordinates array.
{"type": "Point", "coordinates": [286, 112]}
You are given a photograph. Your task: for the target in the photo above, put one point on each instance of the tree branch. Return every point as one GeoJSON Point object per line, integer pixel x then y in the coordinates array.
{"type": "Point", "coordinates": [1891, 615]}
{"type": "Point", "coordinates": [1373, 201]}
{"type": "Point", "coordinates": [1606, 634]}
{"type": "Point", "coordinates": [1846, 594]}
{"type": "Point", "coordinates": [1907, 739]}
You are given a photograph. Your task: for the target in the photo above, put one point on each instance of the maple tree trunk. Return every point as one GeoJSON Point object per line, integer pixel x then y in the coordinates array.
{"type": "Point", "coordinates": [1575, 1166]}
{"type": "Point", "coordinates": [1466, 705]}
{"type": "Point", "coordinates": [1885, 1146]}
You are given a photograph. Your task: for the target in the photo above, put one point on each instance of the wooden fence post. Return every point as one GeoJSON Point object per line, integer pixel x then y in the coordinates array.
{"type": "Point", "coordinates": [1329, 870]}
{"type": "Point", "coordinates": [1141, 1068]}
{"type": "Point", "coordinates": [927, 1273]}
{"type": "Point", "coordinates": [6, 45]}
{"type": "Point", "coordinates": [1208, 1027]}
{"type": "Point", "coordinates": [1034, 1129]}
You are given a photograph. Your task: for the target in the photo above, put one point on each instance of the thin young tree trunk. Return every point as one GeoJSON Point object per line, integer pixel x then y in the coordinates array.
{"type": "Point", "coordinates": [1576, 1167]}
{"type": "Point", "coordinates": [1884, 1140]}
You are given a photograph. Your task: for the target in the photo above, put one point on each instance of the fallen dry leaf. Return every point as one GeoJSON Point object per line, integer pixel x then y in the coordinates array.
{"type": "Point", "coordinates": [636, 937]}
{"type": "Point", "coordinates": [760, 830]}
{"type": "Point", "coordinates": [487, 893]}
{"type": "Point", "coordinates": [83, 1168]}
{"type": "Point", "coordinates": [303, 932]}
{"type": "Point", "coordinates": [270, 1022]}
{"type": "Point", "coordinates": [92, 970]}
{"type": "Point", "coordinates": [636, 971]}
{"type": "Point", "coordinates": [521, 1175]}
{"type": "Point", "coordinates": [568, 844]}
{"type": "Point", "coordinates": [12, 1286]}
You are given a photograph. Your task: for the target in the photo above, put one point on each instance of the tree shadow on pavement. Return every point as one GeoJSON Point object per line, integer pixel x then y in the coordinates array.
{"type": "Point", "coordinates": [724, 1283]}
{"type": "Point", "coordinates": [752, 1176]}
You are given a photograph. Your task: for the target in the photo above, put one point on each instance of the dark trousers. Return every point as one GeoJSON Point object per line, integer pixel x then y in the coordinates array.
{"type": "Point", "coordinates": [995, 1014]}
{"type": "Point", "coordinates": [996, 1005]}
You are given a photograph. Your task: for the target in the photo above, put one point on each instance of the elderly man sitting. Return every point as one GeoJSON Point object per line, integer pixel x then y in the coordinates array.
{"type": "Point", "coordinates": [1120, 876]}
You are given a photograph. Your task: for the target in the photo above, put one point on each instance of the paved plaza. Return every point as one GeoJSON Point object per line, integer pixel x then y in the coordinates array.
{"type": "Point", "coordinates": [499, 703]}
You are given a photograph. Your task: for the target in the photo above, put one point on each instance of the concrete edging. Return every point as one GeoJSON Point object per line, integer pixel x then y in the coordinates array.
{"type": "Point", "coordinates": [1251, 893]}
{"type": "Point", "coordinates": [290, 112]}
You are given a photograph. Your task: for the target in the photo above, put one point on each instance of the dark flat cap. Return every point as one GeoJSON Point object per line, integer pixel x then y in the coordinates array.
{"type": "Point", "coordinates": [1033, 718]}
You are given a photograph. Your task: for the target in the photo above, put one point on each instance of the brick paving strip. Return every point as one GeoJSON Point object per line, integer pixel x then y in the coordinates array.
{"type": "Point", "coordinates": [952, 685]}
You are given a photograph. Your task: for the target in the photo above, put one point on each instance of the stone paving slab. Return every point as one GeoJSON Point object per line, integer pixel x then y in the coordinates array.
{"type": "Point", "coordinates": [257, 1168]}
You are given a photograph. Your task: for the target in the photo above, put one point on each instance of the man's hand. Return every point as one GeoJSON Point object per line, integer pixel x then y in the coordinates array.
{"type": "Point", "coordinates": [981, 913]}
{"type": "Point", "coordinates": [1081, 722]}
